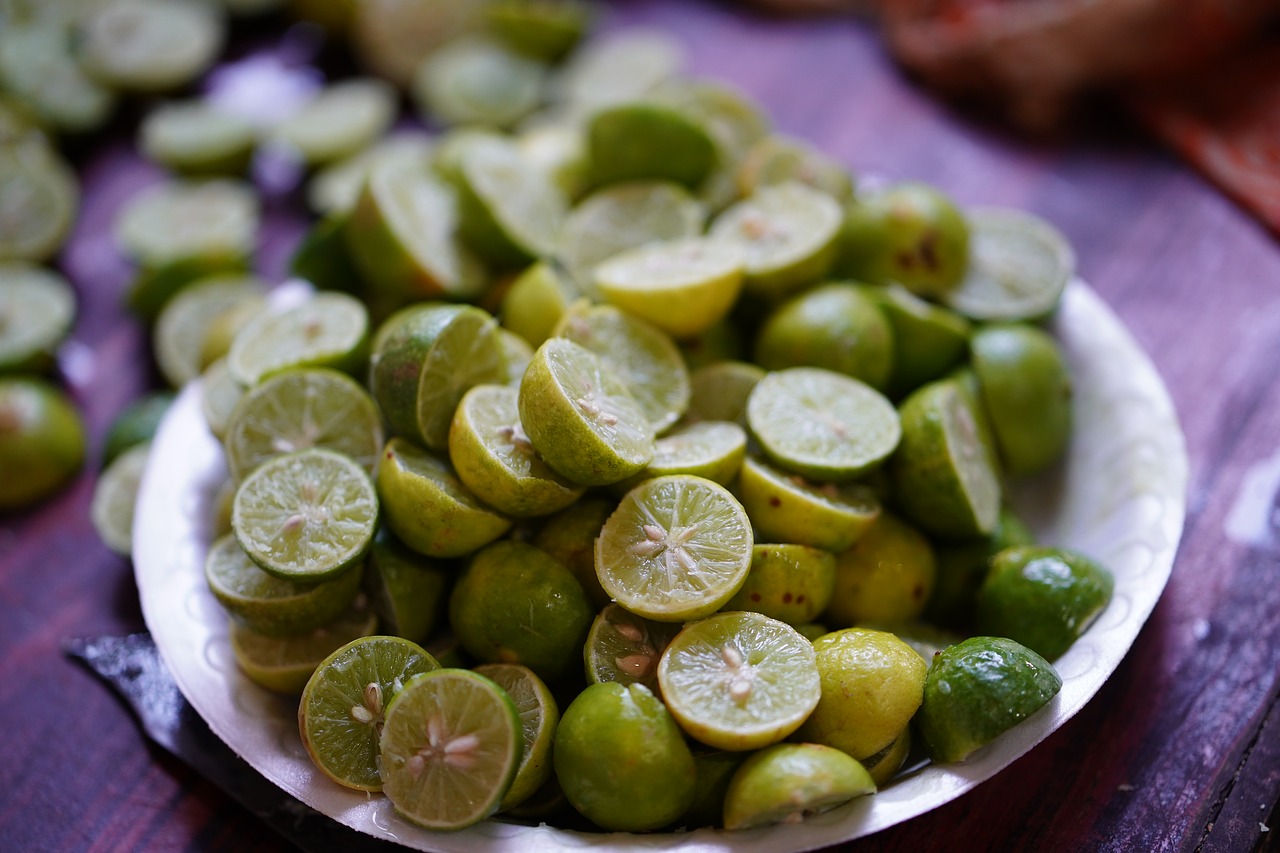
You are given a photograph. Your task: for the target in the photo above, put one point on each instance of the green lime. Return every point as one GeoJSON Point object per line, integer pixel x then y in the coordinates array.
{"type": "Point", "coordinates": [928, 340]}
{"type": "Point", "coordinates": [719, 391]}
{"type": "Point", "coordinates": [509, 211]}
{"type": "Point", "coordinates": [40, 68]}
{"type": "Point", "coordinates": [494, 458]}
{"type": "Point", "coordinates": [407, 590]}
{"type": "Point", "coordinates": [778, 159]}
{"type": "Point", "coordinates": [478, 81]}
{"type": "Point", "coordinates": [622, 760]}
{"type": "Point", "coordinates": [1044, 598]}
{"type": "Point", "coordinates": [306, 515]}
{"type": "Point", "coordinates": [450, 748]}
{"type": "Point", "coordinates": [570, 537]}
{"type": "Point", "coordinates": [189, 318]}
{"type": "Point", "coordinates": [393, 37]}
{"type": "Point", "coordinates": [647, 140]}
{"type": "Point", "coordinates": [788, 508]}
{"type": "Point", "coordinates": [402, 235]}
{"type": "Point", "coordinates": [1026, 392]}
{"type": "Point", "coordinates": [517, 604]}
{"type": "Point", "coordinates": [619, 67]}
{"type": "Point", "coordinates": [115, 497]}
{"type": "Point", "coordinates": [42, 441]}
{"type": "Point", "coordinates": [222, 503]}
{"type": "Point", "coordinates": [822, 424]}
{"type": "Point", "coordinates": [837, 327]}
{"type": "Point", "coordinates": [37, 310]}
{"type": "Point", "coordinates": [539, 717]}
{"type": "Point", "coordinates": [545, 31]}
{"type": "Point", "coordinates": [791, 583]}
{"type": "Point", "coordinates": [342, 711]}
{"type": "Point", "coordinates": [978, 689]}
{"type": "Point", "coordinates": [537, 299]}
{"type": "Point", "coordinates": [625, 216]}
{"type": "Point", "coordinates": [177, 221]}
{"type": "Point", "coordinates": [341, 120]}
{"type": "Point", "coordinates": [137, 424]}
{"type": "Point", "coordinates": [284, 664]}
{"type": "Point", "coordinates": [739, 680]}
{"type": "Point", "coordinates": [963, 566]}
{"type": "Point", "coordinates": [580, 416]}
{"type": "Point", "coordinates": [872, 684]}
{"type": "Point", "coordinates": [790, 781]}
{"type": "Point", "coordinates": [1018, 267]}
{"type": "Point", "coordinates": [626, 648]}
{"type": "Point", "coordinates": [270, 605]}
{"type": "Point", "coordinates": [710, 449]}
{"type": "Point", "coordinates": [910, 233]}
{"type": "Point", "coordinates": [560, 151]}
{"type": "Point", "coordinates": [328, 330]}
{"type": "Point", "coordinates": [427, 507]}
{"type": "Point", "coordinates": [197, 138]}
{"type": "Point", "coordinates": [39, 198]}
{"type": "Point", "coordinates": [943, 476]}
{"type": "Point", "coordinates": [323, 259]}
{"type": "Point", "coordinates": [638, 353]}
{"type": "Point", "coordinates": [681, 286]}
{"type": "Point", "coordinates": [301, 409]}
{"type": "Point", "coordinates": [335, 189]}
{"type": "Point", "coordinates": [885, 578]}
{"type": "Point", "coordinates": [150, 45]}
{"type": "Point", "coordinates": [676, 548]}
{"type": "Point", "coordinates": [219, 394]}
{"type": "Point", "coordinates": [788, 234]}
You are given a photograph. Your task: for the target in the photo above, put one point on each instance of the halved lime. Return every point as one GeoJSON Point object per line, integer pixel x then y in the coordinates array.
{"type": "Point", "coordinates": [328, 330]}
{"type": "Point", "coordinates": [821, 424]}
{"type": "Point", "coordinates": [408, 591]}
{"type": "Point", "coordinates": [301, 409]}
{"type": "Point", "coordinates": [624, 647]}
{"type": "Point", "coordinates": [788, 236]}
{"type": "Point", "coordinates": [580, 416]}
{"type": "Point", "coordinates": [778, 159]}
{"type": "Point", "coordinates": [560, 151]}
{"type": "Point", "coordinates": [509, 211]}
{"type": "Point", "coordinates": [978, 689]}
{"type": "Point", "coordinates": [518, 354]}
{"type": "Point", "coordinates": [177, 221]}
{"type": "Point", "coordinates": [539, 717]}
{"type": "Point", "coordinates": [153, 286]}
{"type": "Point", "coordinates": [734, 120]}
{"type": "Point", "coordinates": [545, 31]}
{"type": "Point", "coordinates": [681, 286]}
{"type": "Point", "coordinates": [114, 497]}
{"type": "Point", "coordinates": [625, 216]}
{"type": "Point", "coordinates": [537, 299]}
{"type": "Point", "coordinates": [963, 566]}
{"type": "Point", "coordinates": [427, 507]}
{"type": "Point", "coordinates": [136, 424]}
{"type": "Point", "coordinates": [179, 336]}
{"type": "Point", "coordinates": [619, 67]}
{"type": "Point", "coordinates": [638, 353]}
{"type": "Point", "coordinates": [719, 391]}
{"type": "Point", "coordinates": [219, 395]}
{"type": "Point", "coordinates": [37, 309]}
{"type": "Point", "coordinates": [284, 664]}
{"type": "Point", "coordinates": [342, 711]}
{"type": "Point", "coordinates": [570, 537]}
{"type": "Point", "coordinates": [495, 459]}
{"type": "Point", "coordinates": [336, 188]}
{"type": "Point", "coordinates": [788, 582]}
{"type": "Point", "coordinates": [39, 66]}
{"type": "Point", "coordinates": [269, 605]}
{"type": "Point", "coordinates": [341, 120]}
{"type": "Point", "coordinates": [307, 515]}
{"type": "Point", "coordinates": [928, 340]}
{"type": "Point", "coordinates": [710, 449]}
{"type": "Point", "coordinates": [943, 476]}
{"type": "Point", "coordinates": [739, 680]}
{"type": "Point", "coordinates": [1018, 267]}
{"type": "Point", "coordinates": [393, 37]}
{"type": "Point", "coordinates": [676, 548]}
{"type": "Point", "coordinates": [150, 45]}
{"type": "Point", "coordinates": [450, 748]}
{"type": "Point", "coordinates": [38, 200]}
{"type": "Point", "coordinates": [648, 140]}
{"type": "Point", "coordinates": [197, 138]}
{"type": "Point", "coordinates": [791, 781]}
{"type": "Point", "coordinates": [884, 764]}
{"type": "Point", "coordinates": [477, 80]}
{"type": "Point", "coordinates": [786, 507]}
{"type": "Point", "coordinates": [885, 578]}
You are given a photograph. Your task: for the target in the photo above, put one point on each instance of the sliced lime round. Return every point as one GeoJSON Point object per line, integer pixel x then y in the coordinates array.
{"type": "Point", "coordinates": [719, 391]}
{"type": "Point", "coordinates": [1018, 267]}
{"type": "Point", "coordinates": [219, 394]}
{"type": "Point", "coordinates": [197, 138]}
{"type": "Point", "coordinates": [477, 80]}
{"type": "Point", "coordinates": [336, 188]}
{"type": "Point", "coordinates": [150, 45]}
{"type": "Point", "coordinates": [625, 648]}
{"type": "Point", "coordinates": [619, 67]}
{"type": "Point", "coordinates": [786, 507]}
{"type": "Point", "coordinates": [284, 664]}
{"type": "Point", "coordinates": [37, 309]}
{"type": "Point", "coordinates": [114, 497]}
{"type": "Point", "coordinates": [39, 66]}
{"type": "Point", "coordinates": [38, 200]}
{"type": "Point", "coordinates": [188, 319]}
{"type": "Point", "coordinates": [177, 221]}
{"type": "Point", "coordinates": [710, 449]}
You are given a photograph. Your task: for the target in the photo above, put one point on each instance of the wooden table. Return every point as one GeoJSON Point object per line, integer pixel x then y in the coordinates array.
{"type": "Point", "coordinates": [1179, 751]}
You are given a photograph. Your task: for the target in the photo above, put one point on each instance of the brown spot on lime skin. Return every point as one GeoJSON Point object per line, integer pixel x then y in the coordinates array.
{"type": "Point", "coordinates": [775, 501]}
{"type": "Point", "coordinates": [906, 260]}
{"type": "Point", "coordinates": [800, 598]}
{"type": "Point", "coordinates": [786, 598]}
{"type": "Point", "coordinates": [929, 249]}
{"type": "Point", "coordinates": [918, 592]}
{"type": "Point", "coordinates": [755, 596]}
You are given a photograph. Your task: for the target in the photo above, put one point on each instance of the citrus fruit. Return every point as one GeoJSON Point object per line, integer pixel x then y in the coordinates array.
{"type": "Point", "coordinates": [328, 330]}
{"type": "Point", "coordinates": [791, 583]}
{"type": "Point", "coordinates": [719, 391]}
{"type": "Point", "coordinates": [778, 159]}
{"type": "Point", "coordinates": [115, 496]}
{"type": "Point", "coordinates": [150, 45]}
{"type": "Point", "coordinates": [509, 211]}
{"type": "Point", "coordinates": [197, 138]}
{"type": "Point", "coordinates": [336, 188]}
{"type": "Point", "coordinates": [676, 548]}
{"type": "Point", "coordinates": [219, 394]}
{"type": "Point", "coordinates": [42, 441]}
{"type": "Point", "coordinates": [545, 31]}
{"type": "Point", "coordinates": [714, 769]}
{"type": "Point", "coordinates": [38, 200]}
{"type": "Point", "coordinates": [788, 508]}
{"type": "Point", "coordinates": [188, 319]}
{"type": "Point", "coordinates": [619, 67]}
{"type": "Point", "coordinates": [137, 424]}
{"type": "Point", "coordinates": [884, 764]}
{"type": "Point", "coordinates": [343, 707]}
{"type": "Point", "coordinates": [647, 140]}
{"type": "Point", "coordinates": [284, 664]}
{"type": "Point", "coordinates": [450, 748]}
{"type": "Point", "coordinates": [407, 590]}
{"type": "Point", "coordinates": [626, 648]}
{"type": "Point", "coordinates": [710, 449]}
{"type": "Point", "coordinates": [886, 577]}
{"type": "Point", "coordinates": [539, 717]}
{"type": "Point", "coordinates": [179, 220]}
{"type": "Point", "coordinates": [37, 309]}
{"type": "Point", "coordinates": [790, 781]}
{"type": "Point", "coordinates": [536, 300]}
{"type": "Point", "coordinates": [963, 566]}
{"type": "Point", "coordinates": [478, 81]}
{"type": "Point", "coordinates": [928, 340]}
{"type": "Point", "coordinates": [40, 69]}
{"type": "Point", "coordinates": [570, 537]}
{"type": "Point", "coordinates": [339, 121]}
{"type": "Point", "coordinates": [739, 680]}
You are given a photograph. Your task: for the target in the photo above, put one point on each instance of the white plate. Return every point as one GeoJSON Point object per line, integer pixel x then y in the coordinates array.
{"type": "Point", "coordinates": [1120, 498]}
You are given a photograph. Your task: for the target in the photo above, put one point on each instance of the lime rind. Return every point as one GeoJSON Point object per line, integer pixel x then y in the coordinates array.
{"type": "Point", "coordinates": [477, 80]}
{"type": "Point", "coordinates": [786, 507]}
{"type": "Point", "coordinates": [710, 449]}
{"type": "Point", "coordinates": [509, 210]}
{"type": "Point", "coordinates": [115, 496]}
{"type": "Point", "coordinates": [39, 198]}
{"type": "Point", "coordinates": [284, 664]}
{"type": "Point", "coordinates": [539, 716]}
{"type": "Point", "coordinates": [788, 782]}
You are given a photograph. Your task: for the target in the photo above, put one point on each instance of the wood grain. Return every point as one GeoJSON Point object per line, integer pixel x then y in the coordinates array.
{"type": "Point", "coordinates": [1181, 748]}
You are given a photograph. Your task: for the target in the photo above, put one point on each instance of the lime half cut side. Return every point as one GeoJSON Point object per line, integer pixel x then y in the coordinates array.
{"type": "Point", "coordinates": [306, 515]}
{"type": "Point", "coordinates": [450, 748]}
{"type": "Point", "coordinates": [37, 309]}
{"type": "Point", "coordinates": [328, 330]}
{"type": "Point", "coordinates": [821, 424]}
{"type": "Point", "coordinates": [676, 548]}
{"type": "Point", "coordinates": [539, 716]}
{"type": "Point", "coordinates": [283, 664]}
{"type": "Point", "coordinates": [626, 648]}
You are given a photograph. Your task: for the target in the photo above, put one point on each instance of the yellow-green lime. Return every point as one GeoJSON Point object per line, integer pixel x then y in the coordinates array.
{"type": "Point", "coordinates": [928, 339]}
{"type": "Point", "coordinates": [328, 330]}
{"type": "Point", "coordinates": [178, 339]}
{"type": "Point", "coordinates": [197, 138]}
{"type": "Point", "coordinates": [339, 121]}
{"type": "Point", "coordinates": [560, 151]}
{"type": "Point", "coordinates": [619, 67]}
{"type": "Point", "coordinates": [179, 220]}
{"type": "Point", "coordinates": [407, 590]}
{"type": "Point", "coordinates": [539, 717]}
{"type": "Point", "coordinates": [676, 548]}
{"type": "Point", "coordinates": [710, 449]}
{"type": "Point", "coordinates": [978, 689]}
{"type": "Point", "coordinates": [722, 341]}
{"type": "Point", "coordinates": [884, 764]}
{"type": "Point", "coordinates": [648, 140]}
{"type": "Point", "coordinates": [518, 354]}
{"type": "Point", "coordinates": [150, 45]}
{"type": "Point", "coordinates": [136, 424]}
{"type": "Point", "coordinates": [336, 188]}
{"type": "Point", "coordinates": [719, 391]}
{"type": "Point", "coordinates": [791, 583]}
{"type": "Point", "coordinates": [343, 707]}
{"type": "Point", "coordinates": [450, 748]}
{"type": "Point", "coordinates": [509, 210]}
{"type": "Point", "coordinates": [307, 515]}
{"type": "Point", "coordinates": [791, 781]}
{"type": "Point", "coordinates": [40, 71]}
{"type": "Point", "coordinates": [739, 680]}
{"type": "Point", "coordinates": [477, 80]}
{"type": "Point", "coordinates": [570, 537]}
{"type": "Point", "coordinates": [536, 300]}
{"type": "Point", "coordinates": [37, 310]}
{"type": "Point", "coordinates": [545, 31]}
{"type": "Point", "coordinates": [219, 395]}
{"type": "Point", "coordinates": [786, 507]}
{"type": "Point", "coordinates": [885, 578]}
{"type": "Point", "coordinates": [42, 441]}
{"type": "Point", "coordinates": [778, 159]}
{"type": "Point", "coordinates": [284, 664]}
{"type": "Point", "coordinates": [393, 37]}
{"type": "Point", "coordinates": [115, 497]}
{"type": "Point", "coordinates": [38, 200]}
{"type": "Point", "coordinates": [427, 507]}
{"type": "Point", "coordinates": [153, 285]}
{"type": "Point", "coordinates": [626, 648]}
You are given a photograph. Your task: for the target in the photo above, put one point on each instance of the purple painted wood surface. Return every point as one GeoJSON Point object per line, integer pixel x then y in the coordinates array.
{"type": "Point", "coordinates": [1179, 751]}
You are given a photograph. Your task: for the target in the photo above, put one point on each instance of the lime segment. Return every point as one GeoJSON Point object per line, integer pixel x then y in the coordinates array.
{"type": "Point", "coordinates": [626, 648]}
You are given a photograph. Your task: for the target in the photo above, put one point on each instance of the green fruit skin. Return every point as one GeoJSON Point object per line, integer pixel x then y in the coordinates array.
{"type": "Point", "coordinates": [517, 604]}
{"type": "Point", "coordinates": [978, 689]}
{"type": "Point", "coordinates": [1026, 391]}
{"type": "Point", "coordinates": [639, 141]}
{"type": "Point", "coordinates": [42, 441]}
{"type": "Point", "coordinates": [928, 339]}
{"type": "Point", "coordinates": [885, 577]}
{"type": "Point", "coordinates": [781, 782]}
{"type": "Point", "coordinates": [714, 772]}
{"type": "Point", "coordinates": [834, 326]}
{"type": "Point", "coordinates": [408, 590]}
{"type": "Point", "coordinates": [791, 583]}
{"type": "Point", "coordinates": [1044, 598]}
{"type": "Point", "coordinates": [622, 759]}
{"type": "Point", "coordinates": [136, 424]}
{"type": "Point", "coordinates": [570, 537]}
{"type": "Point", "coordinates": [154, 286]}
{"type": "Point", "coordinates": [962, 567]}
